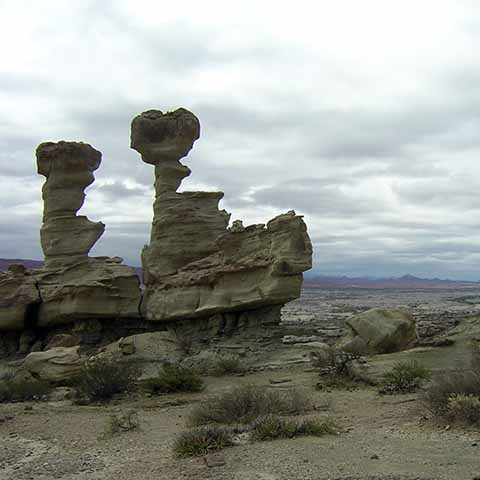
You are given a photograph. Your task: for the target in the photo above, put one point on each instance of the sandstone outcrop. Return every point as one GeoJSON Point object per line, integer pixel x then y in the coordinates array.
{"type": "Point", "coordinates": [18, 297]}
{"type": "Point", "coordinates": [195, 266]}
{"type": "Point", "coordinates": [73, 286]}
{"type": "Point", "coordinates": [68, 168]}
{"type": "Point", "coordinates": [380, 331]}
{"type": "Point", "coordinates": [99, 288]}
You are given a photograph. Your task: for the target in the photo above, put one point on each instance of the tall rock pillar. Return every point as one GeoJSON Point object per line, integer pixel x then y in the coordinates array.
{"type": "Point", "coordinates": [195, 266]}
{"type": "Point", "coordinates": [68, 167]}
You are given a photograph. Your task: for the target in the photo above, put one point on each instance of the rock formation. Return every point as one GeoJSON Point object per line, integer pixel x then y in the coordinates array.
{"type": "Point", "coordinates": [18, 297]}
{"type": "Point", "coordinates": [73, 286]}
{"type": "Point", "coordinates": [68, 167]}
{"type": "Point", "coordinates": [380, 331]}
{"type": "Point", "coordinates": [195, 266]}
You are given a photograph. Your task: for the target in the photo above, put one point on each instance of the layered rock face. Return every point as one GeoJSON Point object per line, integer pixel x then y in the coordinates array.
{"type": "Point", "coordinates": [18, 297]}
{"type": "Point", "coordinates": [72, 285]}
{"type": "Point", "coordinates": [68, 167]}
{"type": "Point", "coordinates": [195, 266]}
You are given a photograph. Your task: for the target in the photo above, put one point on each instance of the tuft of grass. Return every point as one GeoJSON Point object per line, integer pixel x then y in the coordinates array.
{"type": "Point", "coordinates": [245, 403]}
{"type": "Point", "coordinates": [174, 378]}
{"type": "Point", "coordinates": [22, 390]}
{"type": "Point", "coordinates": [226, 364]}
{"type": "Point", "coordinates": [271, 427]}
{"type": "Point", "coordinates": [405, 377]}
{"type": "Point", "coordinates": [125, 422]}
{"type": "Point", "coordinates": [102, 378]}
{"type": "Point", "coordinates": [201, 441]}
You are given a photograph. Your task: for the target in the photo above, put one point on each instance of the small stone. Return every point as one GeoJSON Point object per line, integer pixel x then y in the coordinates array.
{"type": "Point", "coordinates": [215, 460]}
{"type": "Point", "coordinates": [374, 457]}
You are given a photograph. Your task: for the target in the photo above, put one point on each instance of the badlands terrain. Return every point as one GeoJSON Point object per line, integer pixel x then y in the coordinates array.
{"type": "Point", "coordinates": [379, 436]}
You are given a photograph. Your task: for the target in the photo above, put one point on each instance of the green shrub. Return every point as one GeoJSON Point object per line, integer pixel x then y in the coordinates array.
{"type": "Point", "coordinates": [271, 427]}
{"type": "Point", "coordinates": [125, 422]}
{"type": "Point", "coordinates": [225, 364]}
{"type": "Point", "coordinates": [22, 390]}
{"type": "Point", "coordinates": [317, 427]}
{"type": "Point", "coordinates": [465, 408]}
{"type": "Point", "coordinates": [203, 440]}
{"type": "Point", "coordinates": [174, 378]}
{"type": "Point", "coordinates": [405, 377]}
{"type": "Point", "coordinates": [245, 403]}
{"type": "Point", "coordinates": [102, 378]}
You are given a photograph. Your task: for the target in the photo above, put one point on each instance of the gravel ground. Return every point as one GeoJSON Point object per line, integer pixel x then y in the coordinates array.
{"type": "Point", "coordinates": [382, 438]}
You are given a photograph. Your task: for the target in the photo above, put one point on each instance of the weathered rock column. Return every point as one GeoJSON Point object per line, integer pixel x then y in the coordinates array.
{"type": "Point", "coordinates": [68, 167]}
{"type": "Point", "coordinates": [195, 266]}
{"type": "Point", "coordinates": [72, 285]}
{"type": "Point", "coordinates": [185, 225]}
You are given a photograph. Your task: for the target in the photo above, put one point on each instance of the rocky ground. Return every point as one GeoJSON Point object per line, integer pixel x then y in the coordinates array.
{"type": "Point", "coordinates": [382, 437]}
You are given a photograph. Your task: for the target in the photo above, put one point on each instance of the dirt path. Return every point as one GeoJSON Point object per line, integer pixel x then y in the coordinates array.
{"type": "Point", "coordinates": [383, 438]}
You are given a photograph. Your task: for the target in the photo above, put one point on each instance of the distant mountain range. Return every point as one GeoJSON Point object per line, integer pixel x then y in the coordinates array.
{"type": "Point", "coordinates": [407, 281]}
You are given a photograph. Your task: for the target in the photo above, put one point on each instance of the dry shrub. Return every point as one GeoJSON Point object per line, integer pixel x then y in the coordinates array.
{"type": "Point", "coordinates": [100, 379]}
{"type": "Point", "coordinates": [465, 408]}
{"type": "Point", "coordinates": [333, 362]}
{"type": "Point", "coordinates": [225, 364]}
{"type": "Point", "coordinates": [201, 441]}
{"type": "Point", "coordinates": [245, 403]}
{"type": "Point", "coordinates": [174, 378]}
{"type": "Point", "coordinates": [125, 422]}
{"type": "Point", "coordinates": [453, 385]}
{"type": "Point", "coordinates": [22, 390]}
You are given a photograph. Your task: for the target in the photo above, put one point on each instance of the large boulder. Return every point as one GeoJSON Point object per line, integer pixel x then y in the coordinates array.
{"type": "Point", "coordinates": [380, 331]}
{"type": "Point", "coordinates": [57, 365]}
{"type": "Point", "coordinates": [195, 266]}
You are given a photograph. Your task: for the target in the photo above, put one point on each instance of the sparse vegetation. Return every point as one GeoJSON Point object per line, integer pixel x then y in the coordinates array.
{"type": "Point", "coordinates": [405, 377]}
{"type": "Point", "coordinates": [271, 427]}
{"type": "Point", "coordinates": [455, 394]}
{"type": "Point", "coordinates": [225, 364]}
{"type": "Point", "coordinates": [125, 422]}
{"type": "Point", "coordinates": [334, 368]}
{"type": "Point", "coordinates": [201, 441]}
{"type": "Point", "coordinates": [174, 378]}
{"type": "Point", "coordinates": [185, 343]}
{"type": "Point", "coordinates": [102, 378]}
{"type": "Point", "coordinates": [245, 403]}
{"type": "Point", "coordinates": [465, 408]}
{"type": "Point", "coordinates": [22, 390]}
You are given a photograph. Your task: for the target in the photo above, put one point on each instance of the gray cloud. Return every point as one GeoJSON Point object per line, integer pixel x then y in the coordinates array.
{"type": "Point", "coordinates": [376, 142]}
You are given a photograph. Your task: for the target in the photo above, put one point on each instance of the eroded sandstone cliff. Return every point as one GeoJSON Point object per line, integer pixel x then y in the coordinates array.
{"type": "Point", "coordinates": [195, 265]}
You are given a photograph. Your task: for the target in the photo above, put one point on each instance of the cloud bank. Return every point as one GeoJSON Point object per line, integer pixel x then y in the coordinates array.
{"type": "Point", "coordinates": [364, 117]}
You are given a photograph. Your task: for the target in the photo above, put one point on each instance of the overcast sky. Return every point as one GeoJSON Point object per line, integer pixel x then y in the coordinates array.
{"type": "Point", "coordinates": [362, 116]}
